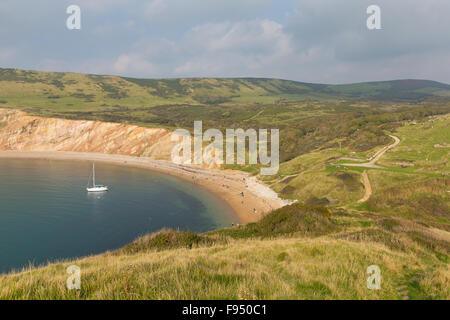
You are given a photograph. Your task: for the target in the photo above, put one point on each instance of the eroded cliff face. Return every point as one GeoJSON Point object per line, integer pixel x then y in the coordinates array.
{"type": "Point", "coordinates": [19, 131]}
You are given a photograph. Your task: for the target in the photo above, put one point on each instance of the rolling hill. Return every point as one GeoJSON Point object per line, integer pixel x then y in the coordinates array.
{"type": "Point", "coordinates": [68, 93]}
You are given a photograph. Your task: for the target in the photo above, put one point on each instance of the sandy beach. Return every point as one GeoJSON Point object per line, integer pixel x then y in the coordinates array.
{"type": "Point", "coordinates": [257, 199]}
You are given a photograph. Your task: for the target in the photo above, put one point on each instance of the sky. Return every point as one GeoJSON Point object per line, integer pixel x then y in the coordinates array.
{"type": "Point", "coordinates": [320, 41]}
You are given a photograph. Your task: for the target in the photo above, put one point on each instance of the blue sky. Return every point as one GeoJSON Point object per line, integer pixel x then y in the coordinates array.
{"type": "Point", "coordinates": [323, 41]}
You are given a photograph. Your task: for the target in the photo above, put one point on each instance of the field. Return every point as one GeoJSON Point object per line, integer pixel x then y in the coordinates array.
{"type": "Point", "coordinates": [413, 181]}
{"type": "Point", "coordinates": [417, 180]}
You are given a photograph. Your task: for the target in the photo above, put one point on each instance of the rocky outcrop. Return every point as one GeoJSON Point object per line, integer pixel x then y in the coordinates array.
{"type": "Point", "coordinates": [19, 131]}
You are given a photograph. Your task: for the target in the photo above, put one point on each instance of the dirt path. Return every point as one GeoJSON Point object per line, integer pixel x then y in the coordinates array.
{"type": "Point", "coordinates": [372, 165]}
{"type": "Point", "coordinates": [381, 153]}
{"type": "Point", "coordinates": [367, 187]}
{"type": "Point", "coordinates": [256, 115]}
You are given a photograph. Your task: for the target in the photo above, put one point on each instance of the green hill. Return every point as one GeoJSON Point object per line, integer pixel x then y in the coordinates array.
{"type": "Point", "coordinates": [69, 93]}
{"type": "Point", "coordinates": [143, 100]}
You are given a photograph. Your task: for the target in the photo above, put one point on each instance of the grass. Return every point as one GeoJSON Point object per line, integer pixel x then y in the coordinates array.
{"type": "Point", "coordinates": [418, 191]}
{"type": "Point", "coordinates": [295, 253]}
{"type": "Point", "coordinates": [421, 146]}
{"type": "Point", "coordinates": [308, 269]}
{"type": "Point", "coordinates": [413, 182]}
{"type": "Point", "coordinates": [410, 196]}
{"type": "Point", "coordinates": [296, 219]}
{"type": "Point", "coordinates": [310, 176]}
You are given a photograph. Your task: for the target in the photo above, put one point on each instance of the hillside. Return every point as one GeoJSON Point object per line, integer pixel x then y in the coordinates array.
{"type": "Point", "coordinates": [297, 252]}
{"type": "Point", "coordinates": [411, 180]}
{"type": "Point", "coordinates": [73, 95]}
{"type": "Point", "coordinates": [309, 116]}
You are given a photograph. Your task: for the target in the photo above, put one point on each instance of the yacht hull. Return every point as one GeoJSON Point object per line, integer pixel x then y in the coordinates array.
{"type": "Point", "coordinates": [97, 189]}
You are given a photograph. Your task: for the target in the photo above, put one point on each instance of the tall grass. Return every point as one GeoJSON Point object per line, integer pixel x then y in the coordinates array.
{"type": "Point", "coordinates": [298, 252]}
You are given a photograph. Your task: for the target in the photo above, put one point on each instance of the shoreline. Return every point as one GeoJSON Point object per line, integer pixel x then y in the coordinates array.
{"type": "Point", "coordinates": [227, 184]}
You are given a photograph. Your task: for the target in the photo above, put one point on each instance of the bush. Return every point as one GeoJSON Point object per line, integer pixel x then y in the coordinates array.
{"type": "Point", "coordinates": [167, 239]}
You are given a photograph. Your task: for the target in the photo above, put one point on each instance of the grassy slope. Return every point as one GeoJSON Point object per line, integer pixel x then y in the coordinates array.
{"type": "Point", "coordinates": [295, 253]}
{"type": "Point", "coordinates": [71, 94]}
{"type": "Point", "coordinates": [79, 92]}
{"type": "Point", "coordinates": [418, 191]}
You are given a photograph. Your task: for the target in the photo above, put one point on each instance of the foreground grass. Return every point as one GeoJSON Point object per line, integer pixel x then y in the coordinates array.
{"type": "Point", "coordinates": [296, 252]}
{"type": "Point", "coordinates": [245, 269]}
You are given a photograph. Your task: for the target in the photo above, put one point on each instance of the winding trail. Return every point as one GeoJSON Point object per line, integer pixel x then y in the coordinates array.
{"type": "Point", "coordinates": [381, 153]}
{"type": "Point", "coordinates": [367, 187]}
{"type": "Point", "coordinates": [372, 165]}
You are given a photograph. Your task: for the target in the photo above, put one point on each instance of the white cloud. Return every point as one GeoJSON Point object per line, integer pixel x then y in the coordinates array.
{"type": "Point", "coordinates": [213, 49]}
{"type": "Point", "coordinates": [7, 55]}
{"type": "Point", "coordinates": [182, 13]}
{"type": "Point", "coordinates": [104, 5]}
{"type": "Point", "coordinates": [257, 36]}
{"type": "Point", "coordinates": [232, 48]}
{"type": "Point", "coordinates": [407, 26]}
{"type": "Point", "coordinates": [154, 7]}
{"type": "Point", "coordinates": [133, 64]}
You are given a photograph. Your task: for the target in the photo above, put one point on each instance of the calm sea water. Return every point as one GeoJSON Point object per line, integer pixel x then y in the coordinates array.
{"type": "Point", "coordinates": [46, 213]}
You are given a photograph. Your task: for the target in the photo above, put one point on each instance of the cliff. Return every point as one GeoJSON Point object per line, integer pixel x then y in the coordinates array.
{"type": "Point", "coordinates": [19, 131]}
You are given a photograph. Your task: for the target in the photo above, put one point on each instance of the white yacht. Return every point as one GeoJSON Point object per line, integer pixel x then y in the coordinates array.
{"type": "Point", "coordinates": [95, 187]}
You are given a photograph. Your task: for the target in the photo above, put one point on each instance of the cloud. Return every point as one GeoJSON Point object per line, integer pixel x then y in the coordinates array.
{"type": "Point", "coordinates": [133, 64]}
{"type": "Point", "coordinates": [213, 49]}
{"type": "Point", "coordinates": [103, 6]}
{"type": "Point", "coordinates": [256, 37]}
{"type": "Point", "coordinates": [7, 55]}
{"type": "Point", "coordinates": [234, 48]}
{"type": "Point", "coordinates": [154, 7]}
{"type": "Point", "coordinates": [306, 40]}
{"type": "Point", "coordinates": [185, 14]}
{"type": "Point", "coordinates": [408, 26]}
